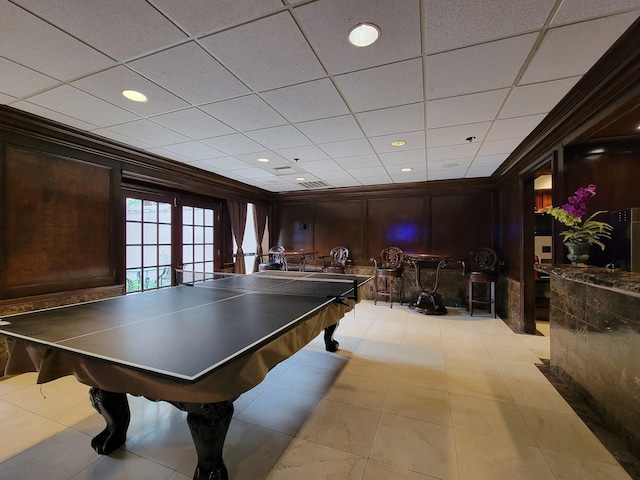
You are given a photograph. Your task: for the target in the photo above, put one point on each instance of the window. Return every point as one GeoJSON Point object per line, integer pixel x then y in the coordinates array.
{"type": "Point", "coordinates": [197, 239]}
{"type": "Point", "coordinates": [249, 240]}
{"type": "Point", "coordinates": [148, 245]}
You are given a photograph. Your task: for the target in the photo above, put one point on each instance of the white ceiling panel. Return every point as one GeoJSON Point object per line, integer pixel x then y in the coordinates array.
{"type": "Point", "coordinates": [278, 79]}
{"type": "Point", "coordinates": [109, 84]}
{"type": "Point", "coordinates": [193, 123]}
{"type": "Point", "coordinates": [451, 24]}
{"type": "Point", "coordinates": [245, 113]}
{"type": "Point", "coordinates": [307, 101]}
{"type": "Point", "coordinates": [119, 29]}
{"type": "Point", "coordinates": [265, 54]}
{"type": "Point", "coordinates": [378, 87]}
{"type": "Point", "coordinates": [327, 24]}
{"type": "Point", "coordinates": [81, 105]}
{"type": "Point", "coordinates": [479, 68]}
{"type": "Point", "coordinates": [571, 50]}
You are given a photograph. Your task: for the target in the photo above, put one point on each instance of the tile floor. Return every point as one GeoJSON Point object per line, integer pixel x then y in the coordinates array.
{"type": "Point", "coordinates": [408, 397]}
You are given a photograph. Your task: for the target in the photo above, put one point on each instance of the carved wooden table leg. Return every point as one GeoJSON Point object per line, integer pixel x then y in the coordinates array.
{"type": "Point", "coordinates": [330, 344]}
{"type": "Point", "coordinates": [209, 423]}
{"type": "Point", "coordinates": [114, 408]}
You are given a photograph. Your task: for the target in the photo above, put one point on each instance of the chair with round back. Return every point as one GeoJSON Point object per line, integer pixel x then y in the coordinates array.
{"type": "Point", "coordinates": [482, 267]}
{"type": "Point", "coordinates": [336, 260]}
{"type": "Point", "coordinates": [276, 260]}
{"type": "Point", "coordinates": [388, 268]}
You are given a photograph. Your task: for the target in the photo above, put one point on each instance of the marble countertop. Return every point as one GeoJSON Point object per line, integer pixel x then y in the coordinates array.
{"type": "Point", "coordinates": [615, 279]}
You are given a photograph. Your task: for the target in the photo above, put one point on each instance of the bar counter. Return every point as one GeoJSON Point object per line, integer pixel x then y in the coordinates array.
{"type": "Point", "coordinates": [595, 341]}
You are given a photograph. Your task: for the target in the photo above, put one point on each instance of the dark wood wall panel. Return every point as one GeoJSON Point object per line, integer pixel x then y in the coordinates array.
{"type": "Point", "coordinates": [396, 222]}
{"type": "Point", "coordinates": [294, 227]}
{"type": "Point", "coordinates": [511, 228]}
{"type": "Point", "coordinates": [340, 223]}
{"type": "Point", "coordinates": [58, 223]}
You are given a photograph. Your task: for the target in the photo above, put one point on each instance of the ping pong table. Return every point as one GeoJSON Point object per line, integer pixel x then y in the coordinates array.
{"type": "Point", "coordinates": [197, 346]}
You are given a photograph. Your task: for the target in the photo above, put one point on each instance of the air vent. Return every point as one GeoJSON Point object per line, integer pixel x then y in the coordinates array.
{"type": "Point", "coordinates": [314, 184]}
{"type": "Point", "coordinates": [284, 170]}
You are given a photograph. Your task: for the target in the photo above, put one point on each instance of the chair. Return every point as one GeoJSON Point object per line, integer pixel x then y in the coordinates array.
{"type": "Point", "coordinates": [276, 260]}
{"type": "Point", "coordinates": [336, 260]}
{"type": "Point", "coordinates": [388, 267]}
{"type": "Point", "coordinates": [482, 267]}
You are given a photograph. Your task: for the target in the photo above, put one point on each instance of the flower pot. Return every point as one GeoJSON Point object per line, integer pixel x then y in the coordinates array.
{"type": "Point", "coordinates": [578, 253]}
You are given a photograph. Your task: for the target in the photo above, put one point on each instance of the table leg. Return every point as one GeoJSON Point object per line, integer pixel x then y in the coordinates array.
{"type": "Point", "coordinates": [209, 423]}
{"type": "Point", "coordinates": [330, 344]}
{"type": "Point", "coordinates": [114, 408]}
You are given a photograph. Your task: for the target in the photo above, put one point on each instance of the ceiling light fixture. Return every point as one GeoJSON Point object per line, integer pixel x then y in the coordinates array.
{"type": "Point", "coordinates": [300, 179]}
{"type": "Point", "coordinates": [263, 160]}
{"type": "Point", "coordinates": [364, 34]}
{"type": "Point", "coordinates": [398, 143]}
{"type": "Point", "coordinates": [406, 169]}
{"type": "Point", "coordinates": [135, 96]}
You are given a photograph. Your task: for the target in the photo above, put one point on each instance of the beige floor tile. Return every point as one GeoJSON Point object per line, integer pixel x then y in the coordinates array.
{"type": "Point", "coordinates": [420, 376]}
{"type": "Point", "coordinates": [412, 354]}
{"type": "Point", "coordinates": [537, 395]}
{"type": "Point", "coordinates": [366, 367]}
{"type": "Point", "coordinates": [312, 461]}
{"type": "Point", "coordinates": [564, 434]}
{"type": "Point", "coordinates": [305, 379]}
{"type": "Point", "coordinates": [120, 465]}
{"type": "Point", "coordinates": [470, 363]}
{"type": "Point", "coordinates": [342, 426]}
{"type": "Point", "coordinates": [417, 446]}
{"type": "Point", "coordinates": [10, 385]}
{"type": "Point", "coordinates": [420, 403]}
{"type": "Point", "coordinates": [376, 350]}
{"type": "Point", "coordinates": [490, 387]}
{"type": "Point", "coordinates": [383, 471]}
{"type": "Point", "coordinates": [489, 458]}
{"type": "Point", "coordinates": [489, 417]}
{"type": "Point", "coordinates": [358, 390]}
{"type": "Point", "coordinates": [519, 352]}
{"type": "Point", "coordinates": [569, 467]}
{"type": "Point", "coordinates": [520, 370]}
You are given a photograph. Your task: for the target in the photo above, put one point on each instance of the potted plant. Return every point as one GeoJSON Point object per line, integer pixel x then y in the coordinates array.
{"type": "Point", "coordinates": [580, 234]}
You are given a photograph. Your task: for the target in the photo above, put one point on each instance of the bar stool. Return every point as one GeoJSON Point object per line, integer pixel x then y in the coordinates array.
{"type": "Point", "coordinates": [275, 261]}
{"type": "Point", "coordinates": [481, 267]}
{"type": "Point", "coordinates": [388, 267]}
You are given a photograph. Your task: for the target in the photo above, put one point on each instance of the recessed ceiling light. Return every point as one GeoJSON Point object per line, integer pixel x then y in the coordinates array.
{"type": "Point", "coordinates": [300, 179]}
{"type": "Point", "coordinates": [263, 160]}
{"type": "Point", "coordinates": [638, 127]}
{"type": "Point", "coordinates": [364, 34]}
{"type": "Point", "coordinates": [597, 150]}
{"type": "Point", "coordinates": [135, 96]}
{"type": "Point", "coordinates": [398, 143]}
{"type": "Point", "coordinates": [406, 169]}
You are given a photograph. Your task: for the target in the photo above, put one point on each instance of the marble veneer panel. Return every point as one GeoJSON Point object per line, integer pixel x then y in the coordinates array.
{"type": "Point", "coordinates": [595, 347]}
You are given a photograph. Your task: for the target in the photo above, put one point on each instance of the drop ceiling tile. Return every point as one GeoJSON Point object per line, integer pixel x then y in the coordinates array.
{"type": "Point", "coordinates": [518, 127]}
{"type": "Point", "coordinates": [476, 107]}
{"type": "Point", "coordinates": [235, 144]}
{"type": "Point", "coordinates": [285, 136]}
{"type": "Point", "coordinates": [577, 10]}
{"type": "Point", "coordinates": [446, 174]}
{"type": "Point", "coordinates": [409, 177]}
{"type": "Point", "coordinates": [327, 24]}
{"type": "Point", "coordinates": [331, 129]}
{"type": "Point", "coordinates": [449, 164]}
{"type": "Point", "coordinates": [103, 132]}
{"type": "Point", "coordinates": [254, 172]}
{"type": "Point", "coordinates": [6, 99]}
{"type": "Point", "coordinates": [389, 121]}
{"type": "Point", "coordinates": [571, 50]}
{"type": "Point", "coordinates": [109, 84]}
{"type": "Point", "coordinates": [191, 73]}
{"type": "Point", "coordinates": [378, 87]}
{"type": "Point", "coordinates": [451, 24]}
{"type": "Point", "coordinates": [344, 182]}
{"type": "Point", "coordinates": [118, 29]}
{"type": "Point", "coordinates": [536, 97]}
{"type": "Point", "coordinates": [489, 160]}
{"type": "Point", "coordinates": [149, 132]}
{"type": "Point", "coordinates": [43, 50]}
{"type": "Point", "coordinates": [166, 153]}
{"type": "Point", "coordinates": [456, 135]}
{"type": "Point", "coordinates": [452, 151]}
{"type": "Point", "coordinates": [18, 81]}
{"type": "Point", "coordinates": [347, 148]}
{"type": "Point", "coordinates": [374, 179]}
{"type": "Point", "coordinates": [307, 101]}
{"type": "Point", "coordinates": [194, 150]}
{"type": "Point", "coordinates": [193, 123]}
{"type": "Point", "coordinates": [319, 166]}
{"type": "Point", "coordinates": [274, 159]}
{"type": "Point", "coordinates": [404, 158]}
{"type": "Point", "coordinates": [223, 164]}
{"type": "Point", "coordinates": [382, 144]}
{"type": "Point", "coordinates": [360, 173]}
{"type": "Point", "coordinates": [263, 60]}
{"type": "Point", "coordinates": [245, 113]}
{"type": "Point", "coordinates": [334, 175]}
{"type": "Point", "coordinates": [476, 172]}
{"type": "Point", "coordinates": [52, 115]}
{"type": "Point", "coordinates": [497, 147]}
{"type": "Point", "coordinates": [361, 161]}
{"type": "Point", "coordinates": [303, 153]}
{"type": "Point", "coordinates": [488, 66]}
{"type": "Point", "coordinates": [78, 104]}
{"type": "Point", "coordinates": [202, 16]}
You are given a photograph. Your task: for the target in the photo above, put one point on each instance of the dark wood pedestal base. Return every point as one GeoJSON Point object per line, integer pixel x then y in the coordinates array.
{"type": "Point", "coordinates": [330, 344]}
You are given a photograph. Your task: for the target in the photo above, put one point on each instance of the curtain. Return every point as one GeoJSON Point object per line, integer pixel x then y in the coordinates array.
{"type": "Point", "coordinates": [238, 216]}
{"type": "Point", "coordinates": [260, 224]}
